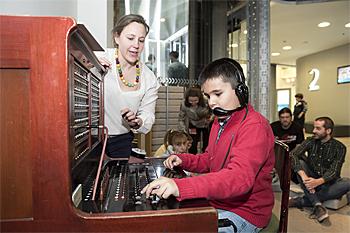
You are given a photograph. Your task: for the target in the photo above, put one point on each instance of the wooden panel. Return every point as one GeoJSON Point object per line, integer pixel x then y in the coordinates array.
{"type": "Point", "coordinates": [16, 166]}
{"type": "Point", "coordinates": [202, 219]}
{"type": "Point", "coordinates": [171, 115]}
{"type": "Point", "coordinates": [168, 106]}
{"type": "Point", "coordinates": [14, 49]}
{"type": "Point", "coordinates": [172, 89]}
{"type": "Point", "coordinates": [171, 95]}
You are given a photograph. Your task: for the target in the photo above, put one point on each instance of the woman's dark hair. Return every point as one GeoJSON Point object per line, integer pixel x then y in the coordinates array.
{"type": "Point", "coordinates": [194, 92]}
{"type": "Point", "coordinates": [228, 69]}
{"type": "Point", "coordinates": [328, 122]}
{"type": "Point", "coordinates": [284, 110]}
{"type": "Point", "coordinates": [128, 19]}
{"type": "Point", "coordinates": [299, 95]}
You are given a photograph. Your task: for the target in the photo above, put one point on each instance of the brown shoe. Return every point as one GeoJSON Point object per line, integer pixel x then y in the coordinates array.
{"type": "Point", "coordinates": [295, 202]}
{"type": "Point", "coordinates": [320, 213]}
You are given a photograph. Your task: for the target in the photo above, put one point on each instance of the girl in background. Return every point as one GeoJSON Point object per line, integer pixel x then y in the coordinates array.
{"type": "Point", "coordinates": [174, 142]}
{"type": "Point", "coordinates": [194, 118]}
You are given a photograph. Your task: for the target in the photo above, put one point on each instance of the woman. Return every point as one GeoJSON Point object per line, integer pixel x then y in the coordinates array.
{"type": "Point", "coordinates": [194, 118]}
{"type": "Point", "coordinates": [130, 87]}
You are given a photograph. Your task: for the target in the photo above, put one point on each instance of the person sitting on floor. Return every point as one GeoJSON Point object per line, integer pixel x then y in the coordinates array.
{"type": "Point", "coordinates": [319, 175]}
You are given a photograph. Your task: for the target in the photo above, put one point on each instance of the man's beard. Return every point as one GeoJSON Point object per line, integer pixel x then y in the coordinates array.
{"type": "Point", "coordinates": [286, 126]}
{"type": "Point", "coordinates": [320, 137]}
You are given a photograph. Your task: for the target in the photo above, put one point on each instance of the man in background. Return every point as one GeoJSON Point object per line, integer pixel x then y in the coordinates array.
{"type": "Point", "coordinates": [319, 174]}
{"type": "Point", "coordinates": [151, 63]}
{"type": "Point", "coordinates": [177, 69]}
{"type": "Point", "coordinates": [289, 132]}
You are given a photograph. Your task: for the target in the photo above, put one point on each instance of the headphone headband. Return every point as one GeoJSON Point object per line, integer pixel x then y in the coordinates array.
{"type": "Point", "coordinates": [241, 88]}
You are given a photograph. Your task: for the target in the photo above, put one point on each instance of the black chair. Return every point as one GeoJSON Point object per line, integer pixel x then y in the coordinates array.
{"type": "Point", "coordinates": [283, 169]}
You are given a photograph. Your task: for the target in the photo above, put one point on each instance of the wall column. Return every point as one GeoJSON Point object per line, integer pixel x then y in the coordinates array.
{"type": "Point", "coordinates": [259, 55]}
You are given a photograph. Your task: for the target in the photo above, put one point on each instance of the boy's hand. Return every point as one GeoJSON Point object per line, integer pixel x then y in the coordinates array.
{"type": "Point", "coordinates": [172, 162]}
{"type": "Point", "coordinates": [162, 187]}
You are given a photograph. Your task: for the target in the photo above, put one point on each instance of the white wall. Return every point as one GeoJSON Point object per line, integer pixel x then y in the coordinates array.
{"type": "Point", "coordinates": [39, 7]}
{"type": "Point", "coordinates": [331, 99]}
{"type": "Point", "coordinates": [91, 13]}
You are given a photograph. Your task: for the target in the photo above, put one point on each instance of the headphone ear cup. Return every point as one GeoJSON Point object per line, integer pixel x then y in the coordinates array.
{"type": "Point", "coordinates": [242, 94]}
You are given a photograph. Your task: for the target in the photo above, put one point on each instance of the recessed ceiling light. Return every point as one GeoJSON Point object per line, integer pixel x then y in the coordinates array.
{"type": "Point", "coordinates": [287, 47]}
{"type": "Point", "coordinates": [162, 20]}
{"type": "Point", "coordinates": [275, 54]}
{"type": "Point", "coordinates": [347, 25]}
{"type": "Point", "coordinates": [234, 45]}
{"type": "Point", "coordinates": [245, 31]}
{"type": "Point", "coordinates": [324, 24]}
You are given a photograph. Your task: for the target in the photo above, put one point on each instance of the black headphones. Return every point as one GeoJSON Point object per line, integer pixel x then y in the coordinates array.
{"type": "Point", "coordinates": [241, 88]}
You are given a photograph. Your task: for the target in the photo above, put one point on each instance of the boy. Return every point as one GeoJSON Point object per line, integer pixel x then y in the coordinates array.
{"type": "Point", "coordinates": [238, 159]}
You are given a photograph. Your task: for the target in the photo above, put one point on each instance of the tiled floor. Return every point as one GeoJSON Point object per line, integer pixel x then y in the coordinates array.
{"type": "Point", "coordinates": [299, 221]}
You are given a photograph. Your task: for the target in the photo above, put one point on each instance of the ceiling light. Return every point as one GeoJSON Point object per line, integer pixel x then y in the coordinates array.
{"type": "Point", "coordinates": [275, 54]}
{"type": "Point", "coordinates": [324, 24]}
{"type": "Point", "coordinates": [245, 31]}
{"type": "Point", "coordinates": [162, 20]}
{"type": "Point", "coordinates": [234, 45]}
{"type": "Point", "coordinates": [287, 47]}
{"type": "Point", "coordinates": [347, 25]}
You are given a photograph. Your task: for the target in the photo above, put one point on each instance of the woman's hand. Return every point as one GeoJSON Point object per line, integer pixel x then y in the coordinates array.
{"type": "Point", "coordinates": [105, 62]}
{"type": "Point", "coordinates": [172, 161]}
{"type": "Point", "coordinates": [131, 118]}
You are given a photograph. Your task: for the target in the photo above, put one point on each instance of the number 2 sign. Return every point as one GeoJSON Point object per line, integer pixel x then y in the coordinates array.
{"type": "Point", "coordinates": [315, 77]}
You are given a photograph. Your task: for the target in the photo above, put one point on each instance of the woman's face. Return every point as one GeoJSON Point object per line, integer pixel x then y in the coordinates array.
{"type": "Point", "coordinates": [193, 100]}
{"type": "Point", "coordinates": [131, 42]}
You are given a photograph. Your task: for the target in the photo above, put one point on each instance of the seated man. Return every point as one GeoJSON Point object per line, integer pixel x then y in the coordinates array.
{"type": "Point", "coordinates": [319, 175]}
{"type": "Point", "coordinates": [288, 132]}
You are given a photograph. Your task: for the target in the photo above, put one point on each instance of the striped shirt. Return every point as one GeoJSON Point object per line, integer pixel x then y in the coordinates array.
{"type": "Point", "coordinates": [324, 159]}
{"type": "Point", "coordinates": [222, 124]}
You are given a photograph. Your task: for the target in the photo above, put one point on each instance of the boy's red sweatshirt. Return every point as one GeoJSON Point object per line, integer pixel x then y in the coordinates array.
{"type": "Point", "coordinates": [242, 184]}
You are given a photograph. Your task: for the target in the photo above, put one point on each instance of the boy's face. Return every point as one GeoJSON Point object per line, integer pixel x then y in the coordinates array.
{"type": "Point", "coordinates": [220, 94]}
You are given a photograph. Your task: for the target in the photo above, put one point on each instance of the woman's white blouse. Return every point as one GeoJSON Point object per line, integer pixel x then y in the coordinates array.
{"type": "Point", "coordinates": [141, 101]}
